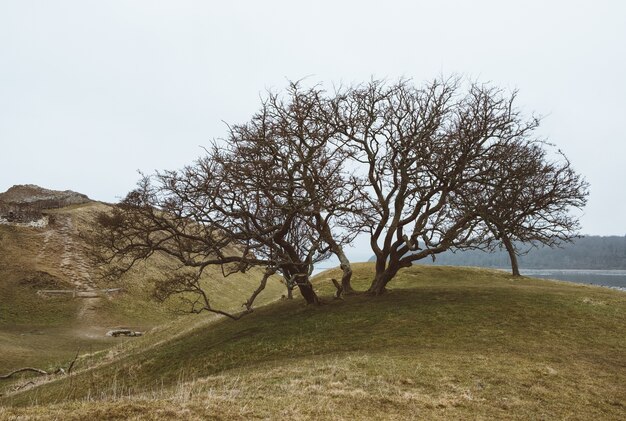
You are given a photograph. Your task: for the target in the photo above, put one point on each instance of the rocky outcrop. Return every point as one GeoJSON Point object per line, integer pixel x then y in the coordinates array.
{"type": "Point", "coordinates": [123, 332]}
{"type": "Point", "coordinates": [25, 203]}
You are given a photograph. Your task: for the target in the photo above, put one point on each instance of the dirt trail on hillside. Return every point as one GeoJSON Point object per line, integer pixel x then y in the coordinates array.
{"type": "Point", "coordinates": [74, 266]}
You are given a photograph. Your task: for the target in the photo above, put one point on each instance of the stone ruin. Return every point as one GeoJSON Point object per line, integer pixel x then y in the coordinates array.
{"type": "Point", "coordinates": [25, 203]}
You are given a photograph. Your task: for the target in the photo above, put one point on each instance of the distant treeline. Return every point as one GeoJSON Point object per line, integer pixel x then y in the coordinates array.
{"type": "Point", "coordinates": [591, 252]}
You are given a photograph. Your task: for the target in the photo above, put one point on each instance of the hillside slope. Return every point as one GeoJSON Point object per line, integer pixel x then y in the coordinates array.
{"type": "Point", "coordinates": [47, 330]}
{"type": "Point", "coordinates": [445, 343]}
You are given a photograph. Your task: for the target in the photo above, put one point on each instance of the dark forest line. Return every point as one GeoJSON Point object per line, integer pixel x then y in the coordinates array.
{"type": "Point", "coordinates": [590, 252]}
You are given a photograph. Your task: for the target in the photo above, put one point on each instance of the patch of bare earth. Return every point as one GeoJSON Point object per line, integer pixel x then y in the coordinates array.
{"type": "Point", "coordinates": [61, 242]}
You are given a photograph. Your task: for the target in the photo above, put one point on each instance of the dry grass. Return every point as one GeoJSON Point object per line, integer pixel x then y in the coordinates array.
{"type": "Point", "coordinates": [446, 343]}
{"type": "Point", "coordinates": [46, 332]}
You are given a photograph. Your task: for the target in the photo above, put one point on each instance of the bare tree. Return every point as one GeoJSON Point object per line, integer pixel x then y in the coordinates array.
{"type": "Point", "coordinates": [418, 147]}
{"type": "Point", "coordinates": [272, 197]}
{"type": "Point", "coordinates": [525, 197]}
{"type": "Point", "coordinates": [294, 131]}
{"type": "Point", "coordinates": [167, 214]}
{"type": "Point", "coordinates": [212, 213]}
{"type": "Point", "coordinates": [422, 170]}
{"type": "Point", "coordinates": [291, 137]}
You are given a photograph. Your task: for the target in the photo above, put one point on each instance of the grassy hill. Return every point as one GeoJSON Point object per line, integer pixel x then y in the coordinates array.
{"type": "Point", "coordinates": [445, 343]}
{"type": "Point", "coordinates": [47, 331]}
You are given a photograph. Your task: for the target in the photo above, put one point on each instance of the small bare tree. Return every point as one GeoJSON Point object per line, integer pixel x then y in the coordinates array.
{"type": "Point", "coordinates": [525, 197]}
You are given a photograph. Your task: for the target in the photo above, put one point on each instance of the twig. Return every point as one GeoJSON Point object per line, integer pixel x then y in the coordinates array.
{"type": "Point", "coordinates": [23, 385]}
{"type": "Point", "coordinates": [69, 368]}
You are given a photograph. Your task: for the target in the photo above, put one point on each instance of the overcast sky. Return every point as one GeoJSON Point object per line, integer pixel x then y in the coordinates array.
{"type": "Point", "coordinates": [92, 91]}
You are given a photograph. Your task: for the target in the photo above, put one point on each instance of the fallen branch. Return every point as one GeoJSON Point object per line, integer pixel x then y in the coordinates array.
{"type": "Point", "coordinates": [59, 370]}
{"type": "Point", "coordinates": [21, 370]}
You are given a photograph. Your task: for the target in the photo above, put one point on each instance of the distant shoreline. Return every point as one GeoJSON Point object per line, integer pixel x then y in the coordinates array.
{"type": "Point", "coordinates": [586, 253]}
{"type": "Point", "coordinates": [609, 278]}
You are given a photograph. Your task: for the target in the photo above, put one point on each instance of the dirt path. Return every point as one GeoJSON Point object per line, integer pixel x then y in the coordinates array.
{"type": "Point", "coordinates": [73, 265]}
{"type": "Point", "coordinates": [46, 241]}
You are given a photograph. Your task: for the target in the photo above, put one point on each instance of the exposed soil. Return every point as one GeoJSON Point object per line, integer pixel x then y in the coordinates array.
{"type": "Point", "coordinates": [62, 250]}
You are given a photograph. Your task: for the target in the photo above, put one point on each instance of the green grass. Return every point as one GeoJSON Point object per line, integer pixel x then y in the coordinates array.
{"type": "Point", "coordinates": [444, 343]}
{"type": "Point", "coordinates": [46, 332]}
{"type": "Point", "coordinates": [28, 322]}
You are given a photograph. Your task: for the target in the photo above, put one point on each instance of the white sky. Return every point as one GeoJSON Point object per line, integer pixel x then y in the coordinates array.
{"type": "Point", "coordinates": [92, 91]}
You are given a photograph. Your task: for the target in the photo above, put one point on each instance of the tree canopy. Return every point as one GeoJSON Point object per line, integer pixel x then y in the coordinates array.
{"type": "Point", "coordinates": [421, 170]}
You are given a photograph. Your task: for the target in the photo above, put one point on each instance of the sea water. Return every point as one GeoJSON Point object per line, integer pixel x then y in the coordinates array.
{"type": "Point", "coordinates": [607, 278]}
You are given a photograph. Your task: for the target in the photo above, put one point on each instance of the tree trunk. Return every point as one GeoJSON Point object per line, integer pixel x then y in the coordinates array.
{"type": "Point", "coordinates": [289, 286]}
{"type": "Point", "coordinates": [338, 251]}
{"type": "Point", "coordinates": [383, 276]}
{"type": "Point", "coordinates": [512, 255]}
{"type": "Point", "coordinates": [378, 286]}
{"type": "Point", "coordinates": [347, 272]}
{"type": "Point", "coordinates": [306, 289]}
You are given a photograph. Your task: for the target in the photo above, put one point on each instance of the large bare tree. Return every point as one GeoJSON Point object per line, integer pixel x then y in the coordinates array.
{"type": "Point", "coordinates": [294, 133]}
{"type": "Point", "coordinates": [275, 196]}
{"type": "Point", "coordinates": [421, 169]}
{"type": "Point", "coordinates": [211, 214]}
{"type": "Point", "coordinates": [418, 148]}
